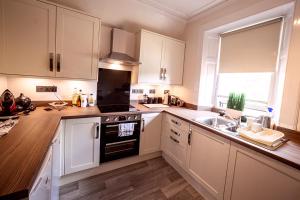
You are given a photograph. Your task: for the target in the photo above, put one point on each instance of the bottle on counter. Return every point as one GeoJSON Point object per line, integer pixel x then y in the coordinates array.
{"type": "Point", "coordinates": [91, 100]}
{"type": "Point", "coordinates": [84, 100]}
{"type": "Point", "coordinates": [78, 103]}
{"type": "Point", "coordinates": [74, 97]}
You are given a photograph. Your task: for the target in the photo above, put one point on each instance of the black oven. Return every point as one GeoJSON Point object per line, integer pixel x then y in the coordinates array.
{"type": "Point", "coordinates": [120, 136]}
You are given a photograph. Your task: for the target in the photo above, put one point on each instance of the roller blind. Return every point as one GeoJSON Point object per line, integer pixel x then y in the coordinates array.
{"type": "Point", "coordinates": [251, 49]}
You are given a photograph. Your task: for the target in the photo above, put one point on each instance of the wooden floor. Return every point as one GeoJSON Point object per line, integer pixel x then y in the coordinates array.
{"type": "Point", "coordinates": [150, 180]}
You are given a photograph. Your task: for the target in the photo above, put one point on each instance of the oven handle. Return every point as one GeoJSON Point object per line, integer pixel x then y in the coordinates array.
{"type": "Point", "coordinates": [143, 127]}
{"type": "Point", "coordinates": [97, 126]}
{"type": "Point", "coordinates": [116, 125]}
{"type": "Point", "coordinates": [114, 143]}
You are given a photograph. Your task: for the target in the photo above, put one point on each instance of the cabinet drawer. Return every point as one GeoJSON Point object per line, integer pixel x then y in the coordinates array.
{"type": "Point", "coordinates": [176, 151]}
{"type": "Point", "coordinates": [177, 123]}
{"type": "Point", "coordinates": [178, 136]}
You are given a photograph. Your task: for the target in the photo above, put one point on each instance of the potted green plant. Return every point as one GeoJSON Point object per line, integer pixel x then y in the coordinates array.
{"type": "Point", "coordinates": [235, 105]}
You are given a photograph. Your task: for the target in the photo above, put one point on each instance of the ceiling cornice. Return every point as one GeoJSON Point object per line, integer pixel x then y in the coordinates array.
{"type": "Point", "coordinates": [180, 14]}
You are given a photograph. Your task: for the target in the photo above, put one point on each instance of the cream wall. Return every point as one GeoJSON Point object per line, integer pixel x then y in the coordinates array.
{"type": "Point", "coordinates": [290, 115]}
{"type": "Point", "coordinates": [226, 13]}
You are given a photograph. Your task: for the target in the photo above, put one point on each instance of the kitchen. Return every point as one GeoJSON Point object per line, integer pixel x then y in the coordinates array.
{"type": "Point", "coordinates": [148, 99]}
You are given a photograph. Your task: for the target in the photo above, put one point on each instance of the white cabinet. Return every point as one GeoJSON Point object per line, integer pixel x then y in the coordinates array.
{"type": "Point", "coordinates": [175, 139]}
{"type": "Point", "coordinates": [40, 39]}
{"type": "Point", "coordinates": [161, 57]}
{"type": "Point", "coordinates": [82, 144]}
{"type": "Point", "coordinates": [151, 49]}
{"type": "Point", "coordinates": [207, 160]}
{"type": "Point", "coordinates": [151, 133]}
{"type": "Point", "coordinates": [46, 185]}
{"type": "Point", "coordinates": [172, 62]}
{"type": "Point", "coordinates": [27, 37]}
{"type": "Point", "coordinates": [254, 176]}
{"type": "Point", "coordinates": [42, 186]}
{"type": "Point", "coordinates": [77, 40]}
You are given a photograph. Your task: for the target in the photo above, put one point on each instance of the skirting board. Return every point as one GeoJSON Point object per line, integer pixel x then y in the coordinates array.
{"type": "Point", "coordinates": [105, 167]}
{"type": "Point", "coordinates": [188, 178]}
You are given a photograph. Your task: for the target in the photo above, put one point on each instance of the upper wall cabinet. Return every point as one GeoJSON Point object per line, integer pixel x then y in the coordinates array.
{"type": "Point", "coordinates": [27, 37]}
{"type": "Point", "coordinates": [77, 45]}
{"type": "Point", "coordinates": [161, 57]}
{"type": "Point", "coordinates": [40, 39]}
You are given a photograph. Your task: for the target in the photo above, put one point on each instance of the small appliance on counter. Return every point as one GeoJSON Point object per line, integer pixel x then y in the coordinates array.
{"type": "Point", "coordinates": [7, 104]}
{"type": "Point", "coordinates": [10, 107]}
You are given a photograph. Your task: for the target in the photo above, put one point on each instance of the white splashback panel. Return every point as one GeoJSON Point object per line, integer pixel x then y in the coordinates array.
{"type": "Point", "coordinates": [28, 85]}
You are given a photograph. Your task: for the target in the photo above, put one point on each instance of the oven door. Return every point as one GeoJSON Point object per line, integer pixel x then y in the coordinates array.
{"type": "Point", "coordinates": [114, 145]}
{"type": "Point", "coordinates": [110, 132]}
{"type": "Point", "coordinates": [117, 150]}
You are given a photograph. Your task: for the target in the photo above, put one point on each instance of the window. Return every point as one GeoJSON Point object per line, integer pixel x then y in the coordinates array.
{"type": "Point", "coordinates": [248, 64]}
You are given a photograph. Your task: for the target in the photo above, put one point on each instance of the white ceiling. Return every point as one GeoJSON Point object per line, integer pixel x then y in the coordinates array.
{"type": "Point", "coordinates": [185, 9]}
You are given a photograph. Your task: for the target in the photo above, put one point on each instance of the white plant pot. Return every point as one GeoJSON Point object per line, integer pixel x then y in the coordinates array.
{"type": "Point", "coordinates": [236, 114]}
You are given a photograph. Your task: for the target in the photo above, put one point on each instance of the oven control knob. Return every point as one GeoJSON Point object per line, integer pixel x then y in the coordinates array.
{"type": "Point", "coordinates": [116, 119]}
{"type": "Point", "coordinates": [136, 117]}
{"type": "Point", "coordinates": [129, 118]}
{"type": "Point", "coordinates": [107, 119]}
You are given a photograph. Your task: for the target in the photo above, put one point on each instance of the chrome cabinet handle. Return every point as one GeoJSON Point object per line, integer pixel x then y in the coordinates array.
{"type": "Point", "coordinates": [190, 136]}
{"type": "Point", "coordinates": [175, 122]}
{"type": "Point", "coordinates": [58, 57]}
{"type": "Point", "coordinates": [164, 73]}
{"type": "Point", "coordinates": [174, 139]}
{"type": "Point", "coordinates": [143, 125]}
{"type": "Point", "coordinates": [97, 125]}
{"type": "Point", "coordinates": [178, 134]}
{"type": "Point", "coordinates": [51, 62]}
{"type": "Point", "coordinates": [161, 73]}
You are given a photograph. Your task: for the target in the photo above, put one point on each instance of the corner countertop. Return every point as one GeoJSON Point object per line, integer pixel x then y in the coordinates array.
{"type": "Point", "coordinates": [23, 150]}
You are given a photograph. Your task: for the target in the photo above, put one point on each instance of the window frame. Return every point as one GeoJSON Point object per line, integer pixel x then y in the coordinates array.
{"type": "Point", "coordinates": [275, 77]}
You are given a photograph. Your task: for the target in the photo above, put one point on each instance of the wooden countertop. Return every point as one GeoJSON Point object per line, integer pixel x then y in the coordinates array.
{"type": "Point", "coordinates": [288, 153]}
{"type": "Point", "coordinates": [23, 150]}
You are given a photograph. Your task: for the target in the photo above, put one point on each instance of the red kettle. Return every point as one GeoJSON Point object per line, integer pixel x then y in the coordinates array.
{"type": "Point", "coordinates": [7, 103]}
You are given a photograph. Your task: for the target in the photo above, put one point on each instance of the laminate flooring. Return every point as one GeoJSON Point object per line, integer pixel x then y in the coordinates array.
{"type": "Point", "coordinates": [149, 180]}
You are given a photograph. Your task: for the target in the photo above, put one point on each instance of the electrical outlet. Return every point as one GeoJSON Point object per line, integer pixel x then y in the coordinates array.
{"type": "Point", "coordinates": [46, 88]}
{"type": "Point", "coordinates": [152, 91]}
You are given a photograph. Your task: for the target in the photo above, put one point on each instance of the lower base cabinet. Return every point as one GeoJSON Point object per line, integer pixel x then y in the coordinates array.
{"type": "Point", "coordinates": [254, 176]}
{"type": "Point", "coordinates": [46, 185]}
{"type": "Point", "coordinates": [207, 160]}
{"type": "Point", "coordinates": [82, 144]}
{"type": "Point", "coordinates": [150, 133]}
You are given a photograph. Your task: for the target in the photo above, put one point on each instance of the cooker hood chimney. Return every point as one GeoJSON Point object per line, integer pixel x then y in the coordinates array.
{"type": "Point", "coordinates": [122, 48]}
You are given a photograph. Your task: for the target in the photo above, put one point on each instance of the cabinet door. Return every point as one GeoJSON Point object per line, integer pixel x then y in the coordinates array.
{"type": "Point", "coordinates": [151, 133]}
{"type": "Point", "coordinates": [254, 176]}
{"type": "Point", "coordinates": [207, 160]}
{"type": "Point", "coordinates": [42, 186]}
{"type": "Point", "coordinates": [151, 46]}
{"type": "Point", "coordinates": [82, 144]}
{"type": "Point", "coordinates": [27, 37]}
{"type": "Point", "coordinates": [77, 45]}
{"type": "Point", "coordinates": [173, 61]}
{"type": "Point", "coordinates": [56, 157]}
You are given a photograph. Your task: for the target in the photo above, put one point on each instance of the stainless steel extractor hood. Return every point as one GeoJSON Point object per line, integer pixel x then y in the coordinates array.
{"type": "Point", "coordinates": [122, 49]}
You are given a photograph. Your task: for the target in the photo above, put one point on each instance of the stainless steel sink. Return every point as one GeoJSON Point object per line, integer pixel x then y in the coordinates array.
{"type": "Point", "coordinates": [219, 123]}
